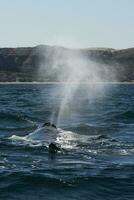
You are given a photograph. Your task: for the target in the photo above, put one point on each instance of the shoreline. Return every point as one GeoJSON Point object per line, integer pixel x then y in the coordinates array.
{"type": "Point", "coordinates": [58, 83]}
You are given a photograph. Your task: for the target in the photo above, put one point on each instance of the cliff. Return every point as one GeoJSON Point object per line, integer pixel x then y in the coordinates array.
{"type": "Point", "coordinates": [35, 63]}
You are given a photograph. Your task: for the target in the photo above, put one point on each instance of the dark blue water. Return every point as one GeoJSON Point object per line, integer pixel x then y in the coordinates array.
{"type": "Point", "coordinates": [96, 136]}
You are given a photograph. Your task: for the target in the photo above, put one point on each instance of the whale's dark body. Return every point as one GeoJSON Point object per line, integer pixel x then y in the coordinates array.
{"type": "Point", "coordinates": [48, 124]}
{"type": "Point", "coordinates": [53, 148]}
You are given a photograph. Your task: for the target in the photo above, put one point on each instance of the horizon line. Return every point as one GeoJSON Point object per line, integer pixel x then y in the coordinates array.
{"type": "Point", "coordinates": [61, 46]}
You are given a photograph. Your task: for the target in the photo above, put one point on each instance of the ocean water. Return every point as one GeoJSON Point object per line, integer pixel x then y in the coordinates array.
{"type": "Point", "coordinates": [95, 134]}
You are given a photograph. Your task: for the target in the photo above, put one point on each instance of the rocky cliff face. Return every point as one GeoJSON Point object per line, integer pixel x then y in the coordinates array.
{"type": "Point", "coordinates": [35, 64]}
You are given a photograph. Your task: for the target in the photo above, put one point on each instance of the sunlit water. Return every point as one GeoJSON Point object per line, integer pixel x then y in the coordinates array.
{"type": "Point", "coordinates": [96, 160]}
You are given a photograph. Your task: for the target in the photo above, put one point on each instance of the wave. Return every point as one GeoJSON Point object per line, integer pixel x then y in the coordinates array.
{"type": "Point", "coordinates": [96, 187]}
{"type": "Point", "coordinates": [15, 119]}
{"type": "Point", "coordinates": [128, 114]}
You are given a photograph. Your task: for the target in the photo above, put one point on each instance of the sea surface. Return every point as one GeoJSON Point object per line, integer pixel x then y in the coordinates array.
{"type": "Point", "coordinates": [95, 133]}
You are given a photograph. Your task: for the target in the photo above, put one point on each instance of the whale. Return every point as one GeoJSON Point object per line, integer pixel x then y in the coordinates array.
{"type": "Point", "coordinates": [53, 148]}
{"type": "Point", "coordinates": [46, 133]}
{"type": "Point", "coordinates": [48, 124]}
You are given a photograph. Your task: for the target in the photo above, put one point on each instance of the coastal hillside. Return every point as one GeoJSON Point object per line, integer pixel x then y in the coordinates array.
{"type": "Point", "coordinates": [39, 63]}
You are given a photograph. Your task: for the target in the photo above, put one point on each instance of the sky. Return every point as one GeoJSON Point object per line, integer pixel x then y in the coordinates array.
{"type": "Point", "coordinates": [69, 23]}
